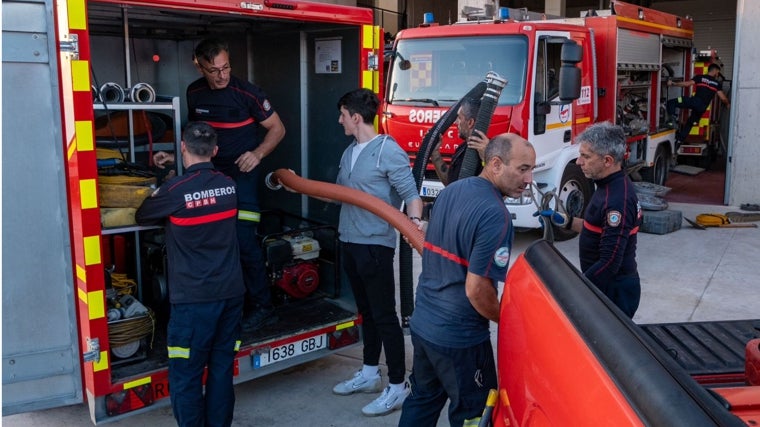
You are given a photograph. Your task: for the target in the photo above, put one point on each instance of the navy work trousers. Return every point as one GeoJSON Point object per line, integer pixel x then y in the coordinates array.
{"type": "Point", "coordinates": [463, 375]}
{"type": "Point", "coordinates": [202, 335]}
{"type": "Point", "coordinates": [697, 108]}
{"type": "Point", "coordinates": [251, 255]}
{"type": "Point", "coordinates": [625, 293]}
{"type": "Point", "coordinates": [370, 271]}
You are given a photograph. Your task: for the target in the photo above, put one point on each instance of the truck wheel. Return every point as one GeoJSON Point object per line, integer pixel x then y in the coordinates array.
{"type": "Point", "coordinates": [658, 173]}
{"type": "Point", "coordinates": [575, 193]}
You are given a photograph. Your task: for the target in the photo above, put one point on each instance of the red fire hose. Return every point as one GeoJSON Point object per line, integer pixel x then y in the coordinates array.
{"type": "Point", "coordinates": [351, 196]}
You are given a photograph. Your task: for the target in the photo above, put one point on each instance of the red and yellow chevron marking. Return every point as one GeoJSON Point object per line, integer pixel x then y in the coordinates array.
{"type": "Point", "coordinates": [84, 212]}
{"type": "Point", "coordinates": [372, 39]}
{"type": "Point", "coordinates": [702, 129]}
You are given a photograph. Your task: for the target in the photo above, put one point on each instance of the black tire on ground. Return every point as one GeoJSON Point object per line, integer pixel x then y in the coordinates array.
{"type": "Point", "coordinates": [658, 173]}
{"type": "Point", "coordinates": [575, 193]}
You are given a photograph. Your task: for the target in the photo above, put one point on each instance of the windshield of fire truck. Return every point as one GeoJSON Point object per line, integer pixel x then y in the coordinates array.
{"type": "Point", "coordinates": [439, 71]}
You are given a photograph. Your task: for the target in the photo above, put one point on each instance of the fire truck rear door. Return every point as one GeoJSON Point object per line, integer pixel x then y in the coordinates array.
{"type": "Point", "coordinates": [41, 367]}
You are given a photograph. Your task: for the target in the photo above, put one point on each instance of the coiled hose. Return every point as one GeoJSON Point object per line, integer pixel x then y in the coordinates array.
{"type": "Point", "coordinates": [494, 85]}
{"type": "Point", "coordinates": [434, 134]}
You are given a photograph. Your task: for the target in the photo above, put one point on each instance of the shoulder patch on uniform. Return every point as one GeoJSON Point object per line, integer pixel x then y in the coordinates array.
{"type": "Point", "coordinates": [613, 218]}
{"type": "Point", "coordinates": [267, 105]}
{"type": "Point", "coordinates": [501, 257]}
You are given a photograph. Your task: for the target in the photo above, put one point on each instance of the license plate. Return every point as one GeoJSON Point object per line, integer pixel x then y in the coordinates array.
{"type": "Point", "coordinates": [286, 351]}
{"type": "Point", "coordinates": [430, 189]}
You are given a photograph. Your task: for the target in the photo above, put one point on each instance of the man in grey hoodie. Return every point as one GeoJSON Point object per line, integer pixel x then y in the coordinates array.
{"type": "Point", "coordinates": [374, 164]}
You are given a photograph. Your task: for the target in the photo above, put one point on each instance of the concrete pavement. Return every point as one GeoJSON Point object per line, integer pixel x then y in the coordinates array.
{"type": "Point", "coordinates": [687, 275]}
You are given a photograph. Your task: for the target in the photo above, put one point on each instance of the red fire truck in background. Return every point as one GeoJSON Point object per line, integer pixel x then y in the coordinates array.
{"type": "Point", "coordinates": [73, 73]}
{"type": "Point", "coordinates": [628, 53]}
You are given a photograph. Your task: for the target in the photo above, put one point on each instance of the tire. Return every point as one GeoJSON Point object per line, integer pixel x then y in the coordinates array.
{"type": "Point", "coordinates": [575, 194]}
{"type": "Point", "coordinates": [658, 173]}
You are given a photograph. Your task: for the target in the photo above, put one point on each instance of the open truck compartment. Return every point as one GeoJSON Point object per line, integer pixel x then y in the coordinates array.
{"type": "Point", "coordinates": [103, 83]}
{"type": "Point", "coordinates": [148, 43]}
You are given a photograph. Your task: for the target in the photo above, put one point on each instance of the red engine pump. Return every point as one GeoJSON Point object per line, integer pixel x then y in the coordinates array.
{"type": "Point", "coordinates": [299, 280]}
{"type": "Point", "coordinates": [294, 259]}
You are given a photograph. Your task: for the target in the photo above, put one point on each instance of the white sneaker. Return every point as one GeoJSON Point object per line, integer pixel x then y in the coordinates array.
{"type": "Point", "coordinates": [359, 384]}
{"type": "Point", "coordinates": [388, 402]}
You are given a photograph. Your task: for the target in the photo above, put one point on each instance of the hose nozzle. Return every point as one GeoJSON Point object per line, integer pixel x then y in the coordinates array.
{"type": "Point", "coordinates": [272, 182]}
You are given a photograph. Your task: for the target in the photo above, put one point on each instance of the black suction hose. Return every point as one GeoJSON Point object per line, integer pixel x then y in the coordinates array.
{"type": "Point", "coordinates": [490, 99]}
{"type": "Point", "coordinates": [406, 265]}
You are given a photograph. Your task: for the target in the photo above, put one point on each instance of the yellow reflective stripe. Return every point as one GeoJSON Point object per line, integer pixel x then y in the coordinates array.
{"type": "Point", "coordinates": [96, 308]}
{"type": "Point", "coordinates": [88, 193]}
{"type": "Point", "coordinates": [368, 79]}
{"type": "Point", "coordinates": [237, 345]}
{"type": "Point", "coordinates": [91, 250]}
{"type": "Point", "coordinates": [368, 31]}
{"type": "Point", "coordinates": [472, 422]}
{"type": "Point", "coordinates": [249, 216]}
{"type": "Point", "coordinates": [102, 364]}
{"type": "Point", "coordinates": [85, 139]}
{"type": "Point", "coordinates": [345, 325]}
{"type": "Point", "coordinates": [178, 352]}
{"type": "Point", "coordinates": [136, 383]}
{"type": "Point", "coordinates": [77, 17]}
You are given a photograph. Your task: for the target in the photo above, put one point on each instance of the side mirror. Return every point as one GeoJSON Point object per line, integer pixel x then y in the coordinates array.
{"type": "Point", "coordinates": [569, 73]}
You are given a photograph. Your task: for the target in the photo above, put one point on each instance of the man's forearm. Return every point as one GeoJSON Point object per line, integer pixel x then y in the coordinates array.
{"type": "Point", "coordinates": [483, 296]}
{"type": "Point", "coordinates": [441, 168]}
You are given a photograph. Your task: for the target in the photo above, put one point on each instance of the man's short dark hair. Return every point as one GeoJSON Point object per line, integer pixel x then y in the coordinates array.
{"type": "Point", "coordinates": [199, 138]}
{"type": "Point", "coordinates": [361, 101]}
{"type": "Point", "coordinates": [713, 67]}
{"type": "Point", "coordinates": [208, 49]}
{"type": "Point", "coordinates": [470, 107]}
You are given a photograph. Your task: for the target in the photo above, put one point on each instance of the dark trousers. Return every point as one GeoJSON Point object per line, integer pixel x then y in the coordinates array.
{"type": "Point", "coordinates": [370, 271]}
{"type": "Point", "coordinates": [624, 292]}
{"type": "Point", "coordinates": [258, 293]}
{"type": "Point", "coordinates": [697, 108]}
{"type": "Point", "coordinates": [463, 375]}
{"type": "Point", "coordinates": [199, 336]}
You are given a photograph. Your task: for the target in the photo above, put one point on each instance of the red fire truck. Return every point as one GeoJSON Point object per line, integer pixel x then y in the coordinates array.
{"type": "Point", "coordinates": [628, 53]}
{"type": "Point", "coordinates": [83, 77]}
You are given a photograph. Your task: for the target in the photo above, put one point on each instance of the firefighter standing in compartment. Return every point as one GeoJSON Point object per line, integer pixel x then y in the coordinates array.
{"type": "Point", "coordinates": [471, 138]}
{"type": "Point", "coordinates": [608, 231]}
{"type": "Point", "coordinates": [206, 290]}
{"type": "Point", "coordinates": [707, 86]}
{"type": "Point", "coordinates": [237, 110]}
{"type": "Point", "coordinates": [466, 253]}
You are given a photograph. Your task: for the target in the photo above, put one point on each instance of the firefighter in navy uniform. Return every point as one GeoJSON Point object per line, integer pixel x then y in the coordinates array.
{"type": "Point", "coordinates": [238, 110]}
{"type": "Point", "coordinates": [206, 290]}
{"type": "Point", "coordinates": [608, 231]}
{"type": "Point", "coordinates": [707, 87]}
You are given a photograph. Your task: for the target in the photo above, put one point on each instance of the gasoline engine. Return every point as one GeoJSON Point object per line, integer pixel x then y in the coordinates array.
{"type": "Point", "coordinates": [292, 262]}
